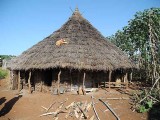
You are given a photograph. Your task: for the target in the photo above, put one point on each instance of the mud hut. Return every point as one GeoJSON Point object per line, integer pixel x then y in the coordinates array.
{"type": "Point", "coordinates": [75, 55]}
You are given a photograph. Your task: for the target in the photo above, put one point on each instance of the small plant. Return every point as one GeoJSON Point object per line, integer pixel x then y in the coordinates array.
{"type": "Point", "coordinates": [146, 104]}
{"type": "Point", "coordinates": [146, 107]}
{"type": "Point", "coordinates": [3, 73]}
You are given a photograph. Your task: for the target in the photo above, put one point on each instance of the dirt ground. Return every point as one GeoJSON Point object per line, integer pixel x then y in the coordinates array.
{"type": "Point", "coordinates": [28, 106]}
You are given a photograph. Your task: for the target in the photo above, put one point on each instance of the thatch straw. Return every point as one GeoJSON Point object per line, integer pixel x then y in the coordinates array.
{"type": "Point", "coordinates": [86, 49]}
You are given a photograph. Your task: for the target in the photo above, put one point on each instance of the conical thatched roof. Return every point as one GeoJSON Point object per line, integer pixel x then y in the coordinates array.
{"type": "Point", "coordinates": [86, 49]}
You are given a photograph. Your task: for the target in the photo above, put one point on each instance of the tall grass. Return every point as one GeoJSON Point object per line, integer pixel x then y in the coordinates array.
{"type": "Point", "coordinates": [3, 73]}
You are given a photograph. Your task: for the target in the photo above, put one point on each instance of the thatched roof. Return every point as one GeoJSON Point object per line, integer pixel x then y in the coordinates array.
{"type": "Point", "coordinates": [86, 49]}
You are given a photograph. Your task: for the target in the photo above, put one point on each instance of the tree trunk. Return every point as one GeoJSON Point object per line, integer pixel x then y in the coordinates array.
{"type": "Point", "coordinates": [152, 46]}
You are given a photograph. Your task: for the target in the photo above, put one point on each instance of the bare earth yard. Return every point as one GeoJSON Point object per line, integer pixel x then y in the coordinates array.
{"type": "Point", "coordinates": [28, 106]}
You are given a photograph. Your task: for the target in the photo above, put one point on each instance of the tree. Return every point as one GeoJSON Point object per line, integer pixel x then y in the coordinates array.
{"type": "Point", "coordinates": [140, 39]}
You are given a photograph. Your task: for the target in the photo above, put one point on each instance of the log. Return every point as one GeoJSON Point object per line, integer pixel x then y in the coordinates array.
{"type": "Point", "coordinates": [94, 109]}
{"type": "Point", "coordinates": [110, 109]}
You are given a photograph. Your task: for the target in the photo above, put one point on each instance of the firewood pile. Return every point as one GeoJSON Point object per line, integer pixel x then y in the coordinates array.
{"type": "Point", "coordinates": [78, 110]}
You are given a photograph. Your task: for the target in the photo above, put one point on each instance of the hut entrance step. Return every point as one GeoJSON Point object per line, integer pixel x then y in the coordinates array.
{"type": "Point", "coordinates": [91, 90]}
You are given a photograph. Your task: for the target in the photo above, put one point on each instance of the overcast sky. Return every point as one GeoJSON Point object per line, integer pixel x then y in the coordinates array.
{"type": "Point", "coordinates": [24, 23]}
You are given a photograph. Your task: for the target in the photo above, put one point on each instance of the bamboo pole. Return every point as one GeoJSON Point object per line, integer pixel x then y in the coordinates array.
{"type": "Point", "coordinates": [110, 73]}
{"type": "Point", "coordinates": [19, 81]}
{"type": "Point", "coordinates": [29, 82]}
{"type": "Point", "coordinates": [83, 89]}
{"type": "Point", "coordinates": [58, 82]}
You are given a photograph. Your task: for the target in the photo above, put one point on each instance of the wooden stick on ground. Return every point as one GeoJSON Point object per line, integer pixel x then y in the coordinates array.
{"type": "Point", "coordinates": [110, 109]}
{"type": "Point", "coordinates": [120, 98]}
{"type": "Point", "coordinates": [47, 109]}
{"type": "Point", "coordinates": [50, 106]}
{"type": "Point", "coordinates": [53, 113]}
{"type": "Point", "coordinates": [94, 109]}
{"type": "Point", "coordinates": [70, 105]}
{"type": "Point", "coordinates": [84, 113]}
{"type": "Point", "coordinates": [44, 107]}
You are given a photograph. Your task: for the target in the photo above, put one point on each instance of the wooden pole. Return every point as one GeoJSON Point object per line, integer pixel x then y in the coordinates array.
{"type": "Point", "coordinates": [71, 80]}
{"type": "Point", "coordinates": [110, 73]}
{"type": "Point", "coordinates": [53, 82]}
{"type": "Point", "coordinates": [29, 82]}
{"type": "Point", "coordinates": [19, 81]}
{"type": "Point", "coordinates": [41, 86]}
{"type": "Point", "coordinates": [83, 90]}
{"type": "Point", "coordinates": [126, 76]}
{"type": "Point", "coordinates": [79, 90]}
{"type": "Point", "coordinates": [58, 82]}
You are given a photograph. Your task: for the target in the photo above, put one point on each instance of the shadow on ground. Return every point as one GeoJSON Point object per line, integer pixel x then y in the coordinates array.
{"type": "Point", "coordinates": [154, 113]}
{"type": "Point", "coordinates": [2, 100]}
{"type": "Point", "coordinates": [8, 105]}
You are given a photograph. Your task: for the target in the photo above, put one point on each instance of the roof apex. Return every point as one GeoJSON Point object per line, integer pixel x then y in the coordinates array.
{"type": "Point", "coordinates": [76, 13]}
{"type": "Point", "coordinates": [76, 10]}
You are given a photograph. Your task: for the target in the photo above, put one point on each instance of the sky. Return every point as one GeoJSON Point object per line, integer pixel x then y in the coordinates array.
{"type": "Point", "coordinates": [23, 23]}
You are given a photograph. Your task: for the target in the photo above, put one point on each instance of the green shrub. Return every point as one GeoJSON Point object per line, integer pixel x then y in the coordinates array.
{"type": "Point", "coordinates": [3, 73]}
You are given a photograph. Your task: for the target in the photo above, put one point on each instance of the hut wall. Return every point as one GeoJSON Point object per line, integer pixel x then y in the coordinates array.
{"type": "Point", "coordinates": [46, 80]}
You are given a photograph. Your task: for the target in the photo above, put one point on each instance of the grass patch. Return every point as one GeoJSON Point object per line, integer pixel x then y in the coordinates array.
{"type": "Point", "coordinates": [3, 73]}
